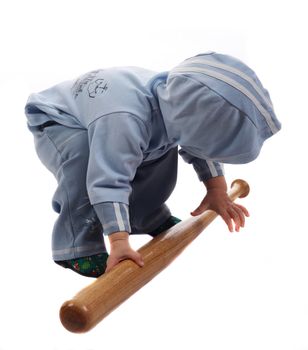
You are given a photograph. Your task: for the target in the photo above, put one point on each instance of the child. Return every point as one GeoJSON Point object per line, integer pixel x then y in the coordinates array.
{"type": "Point", "coordinates": [110, 138]}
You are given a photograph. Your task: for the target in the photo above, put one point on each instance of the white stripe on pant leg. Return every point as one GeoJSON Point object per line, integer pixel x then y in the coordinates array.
{"type": "Point", "coordinates": [119, 216]}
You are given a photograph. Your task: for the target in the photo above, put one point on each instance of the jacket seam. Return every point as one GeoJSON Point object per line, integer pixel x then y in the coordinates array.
{"type": "Point", "coordinates": [136, 117]}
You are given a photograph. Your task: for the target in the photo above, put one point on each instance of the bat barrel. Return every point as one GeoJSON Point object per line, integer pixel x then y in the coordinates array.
{"type": "Point", "coordinates": [75, 317]}
{"type": "Point", "coordinates": [96, 301]}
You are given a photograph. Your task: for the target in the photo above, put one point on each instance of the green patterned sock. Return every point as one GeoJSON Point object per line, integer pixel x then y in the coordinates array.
{"type": "Point", "coordinates": [165, 226]}
{"type": "Point", "coordinates": [89, 266]}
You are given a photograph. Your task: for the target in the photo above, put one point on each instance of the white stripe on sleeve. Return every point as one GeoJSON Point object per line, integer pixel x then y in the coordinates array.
{"type": "Point", "coordinates": [119, 216]}
{"type": "Point", "coordinates": [212, 168]}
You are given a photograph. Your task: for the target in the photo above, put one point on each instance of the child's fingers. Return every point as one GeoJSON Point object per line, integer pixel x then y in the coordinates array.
{"type": "Point", "coordinates": [198, 211]}
{"type": "Point", "coordinates": [136, 257]}
{"type": "Point", "coordinates": [227, 219]}
{"type": "Point", "coordinates": [243, 209]}
{"type": "Point", "coordinates": [203, 206]}
{"type": "Point", "coordinates": [241, 215]}
{"type": "Point", "coordinates": [234, 215]}
{"type": "Point", "coordinates": [237, 216]}
{"type": "Point", "coordinates": [111, 263]}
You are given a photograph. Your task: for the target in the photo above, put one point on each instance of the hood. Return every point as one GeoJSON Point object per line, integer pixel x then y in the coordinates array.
{"type": "Point", "coordinates": [215, 107]}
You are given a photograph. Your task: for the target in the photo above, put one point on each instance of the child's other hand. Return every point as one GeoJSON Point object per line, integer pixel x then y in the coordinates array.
{"type": "Point", "coordinates": [219, 201]}
{"type": "Point", "coordinates": [121, 250]}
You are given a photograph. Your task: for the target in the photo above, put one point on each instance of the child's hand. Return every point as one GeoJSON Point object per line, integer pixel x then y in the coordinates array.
{"type": "Point", "coordinates": [219, 201]}
{"type": "Point", "coordinates": [121, 250]}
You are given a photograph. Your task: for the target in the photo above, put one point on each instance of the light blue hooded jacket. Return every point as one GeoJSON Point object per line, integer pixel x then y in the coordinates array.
{"type": "Point", "coordinates": [212, 105]}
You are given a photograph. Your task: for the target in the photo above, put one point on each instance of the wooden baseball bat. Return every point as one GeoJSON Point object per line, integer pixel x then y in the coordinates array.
{"type": "Point", "coordinates": [107, 292]}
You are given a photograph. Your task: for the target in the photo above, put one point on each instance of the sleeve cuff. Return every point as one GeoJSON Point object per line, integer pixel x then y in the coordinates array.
{"type": "Point", "coordinates": [204, 168]}
{"type": "Point", "coordinates": [114, 216]}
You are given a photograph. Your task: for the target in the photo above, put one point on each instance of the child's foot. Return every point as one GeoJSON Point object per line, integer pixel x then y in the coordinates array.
{"type": "Point", "coordinates": [89, 266]}
{"type": "Point", "coordinates": [165, 226]}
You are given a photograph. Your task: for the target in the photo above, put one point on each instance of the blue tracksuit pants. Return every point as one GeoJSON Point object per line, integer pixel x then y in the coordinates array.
{"type": "Point", "coordinates": [77, 231]}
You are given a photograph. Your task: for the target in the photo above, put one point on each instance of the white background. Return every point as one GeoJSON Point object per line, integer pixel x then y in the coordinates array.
{"type": "Point", "coordinates": [246, 290]}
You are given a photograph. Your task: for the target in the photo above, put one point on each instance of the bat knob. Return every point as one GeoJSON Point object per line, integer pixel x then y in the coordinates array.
{"type": "Point", "coordinates": [243, 187]}
{"type": "Point", "coordinates": [74, 317]}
